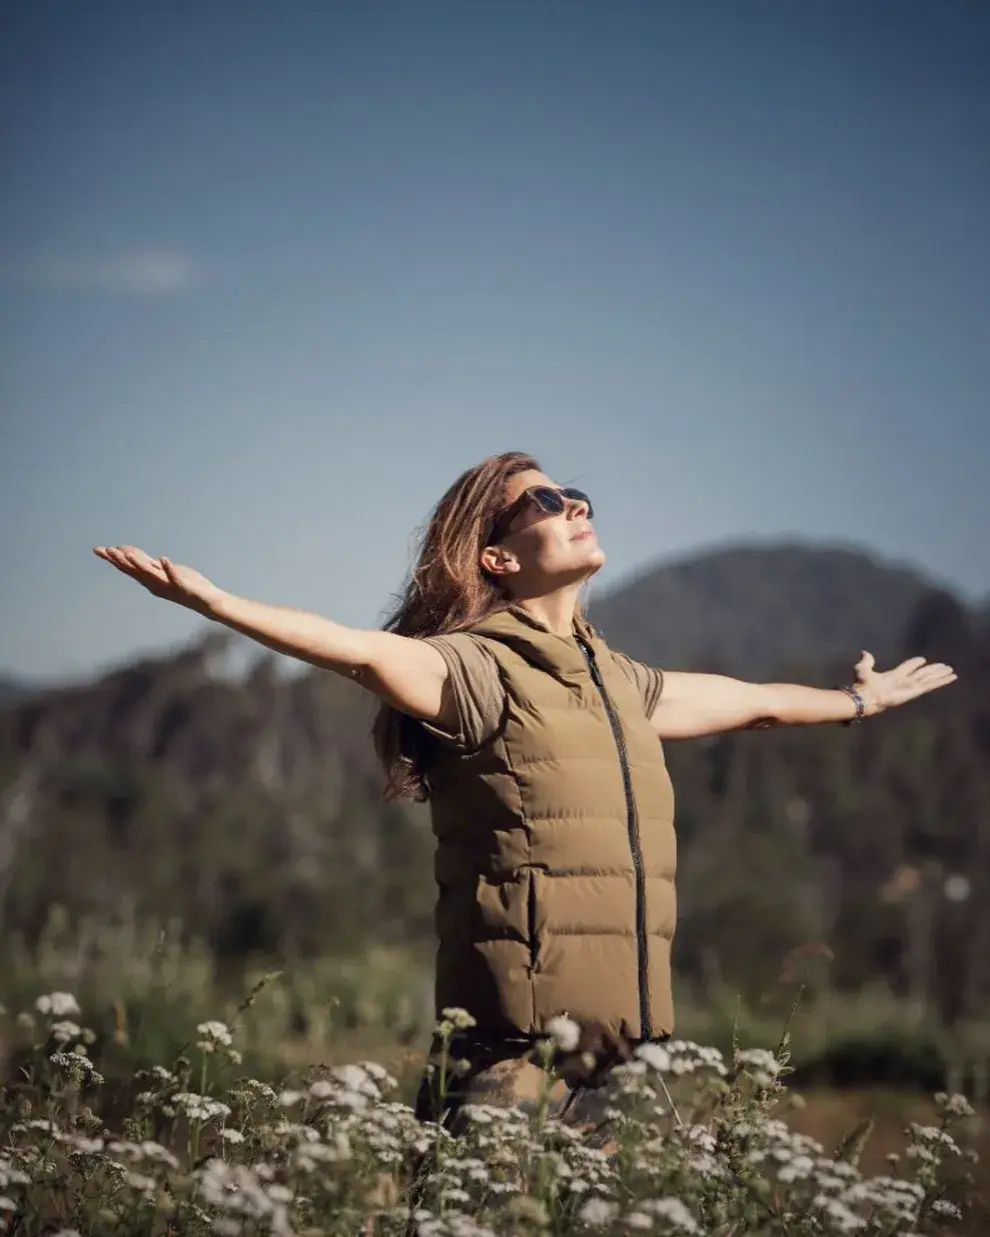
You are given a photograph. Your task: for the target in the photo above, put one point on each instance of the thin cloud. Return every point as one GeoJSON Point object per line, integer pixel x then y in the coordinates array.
{"type": "Point", "coordinates": [147, 273]}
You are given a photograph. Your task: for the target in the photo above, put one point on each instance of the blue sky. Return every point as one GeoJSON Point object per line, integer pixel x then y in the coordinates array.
{"type": "Point", "coordinates": [272, 275]}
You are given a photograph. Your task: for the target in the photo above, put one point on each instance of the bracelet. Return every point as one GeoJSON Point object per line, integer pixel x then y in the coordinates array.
{"type": "Point", "coordinates": [857, 700]}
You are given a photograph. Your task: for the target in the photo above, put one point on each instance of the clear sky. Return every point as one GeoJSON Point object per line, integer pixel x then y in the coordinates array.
{"type": "Point", "coordinates": [273, 274]}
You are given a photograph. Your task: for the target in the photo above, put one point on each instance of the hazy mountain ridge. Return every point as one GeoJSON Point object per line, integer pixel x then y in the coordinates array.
{"type": "Point", "coordinates": [749, 609]}
{"type": "Point", "coordinates": [247, 807]}
{"type": "Point", "coordinates": [12, 690]}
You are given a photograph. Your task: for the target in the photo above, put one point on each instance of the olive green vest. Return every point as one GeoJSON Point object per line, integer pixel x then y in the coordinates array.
{"type": "Point", "coordinates": [556, 852]}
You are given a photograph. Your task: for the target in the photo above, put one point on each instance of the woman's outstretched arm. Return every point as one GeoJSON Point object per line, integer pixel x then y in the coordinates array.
{"type": "Point", "coordinates": [406, 673]}
{"type": "Point", "coordinates": [693, 705]}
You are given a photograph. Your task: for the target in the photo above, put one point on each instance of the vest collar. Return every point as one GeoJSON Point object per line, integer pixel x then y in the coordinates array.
{"type": "Point", "coordinates": [561, 656]}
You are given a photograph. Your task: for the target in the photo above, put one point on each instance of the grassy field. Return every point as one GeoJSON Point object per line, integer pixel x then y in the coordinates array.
{"type": "Point", "coordinates": [144, 994]}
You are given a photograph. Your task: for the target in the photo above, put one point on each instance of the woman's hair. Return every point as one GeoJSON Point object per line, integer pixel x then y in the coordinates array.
{"type": "Point", "coordinates": [447, 591]}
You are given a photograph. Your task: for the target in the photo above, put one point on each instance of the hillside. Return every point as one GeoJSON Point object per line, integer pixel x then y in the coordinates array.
{"type": "Point", "coordinates": [248, 808]}
{"type": "Point", "coordinates": [751, 609]}
{"type": "Point", "coordinates": [11, 690]}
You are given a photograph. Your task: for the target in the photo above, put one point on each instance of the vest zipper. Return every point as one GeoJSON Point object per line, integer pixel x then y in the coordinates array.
{"type": "Point", "coordinates": [632, 825]}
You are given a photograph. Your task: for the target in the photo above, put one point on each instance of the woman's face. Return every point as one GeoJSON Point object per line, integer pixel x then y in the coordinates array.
{"type": "Point", "coordinates": [540, 552]}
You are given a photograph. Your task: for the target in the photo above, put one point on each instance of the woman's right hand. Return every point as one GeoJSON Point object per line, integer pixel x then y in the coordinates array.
{"type": "Point", "coordinates": [162, 577]}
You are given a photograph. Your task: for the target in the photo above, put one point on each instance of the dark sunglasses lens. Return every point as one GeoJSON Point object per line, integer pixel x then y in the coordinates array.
{"type": "Point", "coordinates": [579, 496]}
{"type": "Point", "coordinates": [548, 500]}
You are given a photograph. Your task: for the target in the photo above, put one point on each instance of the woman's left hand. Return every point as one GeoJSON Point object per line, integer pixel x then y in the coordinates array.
{"type": "Point", "coordinates": [885, 689]}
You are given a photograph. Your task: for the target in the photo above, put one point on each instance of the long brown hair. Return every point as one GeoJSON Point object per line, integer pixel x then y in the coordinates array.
{"type": "Point", "coordinates": [447, 591]}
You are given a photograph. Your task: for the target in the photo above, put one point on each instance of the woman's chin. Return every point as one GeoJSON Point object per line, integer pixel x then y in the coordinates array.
{"type": "Point", "coordinates": [595, 560]}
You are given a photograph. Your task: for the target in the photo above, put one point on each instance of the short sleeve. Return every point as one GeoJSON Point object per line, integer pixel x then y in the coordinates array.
{"type": "Point", "coordinates": [647, 680]}
{"type": "Point", "coordinates": [477, 690]}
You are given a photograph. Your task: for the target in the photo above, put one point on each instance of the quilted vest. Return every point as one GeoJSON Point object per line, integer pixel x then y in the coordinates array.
{"type": "Point", "coordinates": [556, 852]}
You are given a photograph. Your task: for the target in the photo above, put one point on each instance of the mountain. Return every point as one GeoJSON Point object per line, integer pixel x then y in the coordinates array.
{"type": "Point", "coordinates": [749, 610]}
{"type": "Point", "coordinates": [11, 691]}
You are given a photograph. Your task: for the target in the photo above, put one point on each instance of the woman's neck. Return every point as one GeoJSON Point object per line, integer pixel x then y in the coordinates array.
{"type": "Point", "coordinates": [554, 610]}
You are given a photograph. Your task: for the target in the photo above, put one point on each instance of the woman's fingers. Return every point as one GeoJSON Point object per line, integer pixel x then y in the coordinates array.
{"type": "Point", "coordinates": [133, 562]}
{"type": "Point", "coordinates": [912, 664]}
{"type": "Point", "coordinates": [865, 664]}
{"type": "Point", "coordinates": [929, 679]}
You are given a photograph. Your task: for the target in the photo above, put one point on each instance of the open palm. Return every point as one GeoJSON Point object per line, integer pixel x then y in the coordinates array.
{"type": "Point", "coordinates": [886, 689]}
{"type": "Point", "coordinates": [161, 576]}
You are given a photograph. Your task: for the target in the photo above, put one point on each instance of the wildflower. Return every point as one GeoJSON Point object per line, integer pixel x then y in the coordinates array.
{"type": "Point", "coordinates": [58, 1005]}
{"type": "Point", "coordinates": [232, 1136]}
{"type": "Point", "coordinates": [565, 1032]}
{"type": "Point", "coordinates": [7, 1204]}
{"type": "Point", "coordinates": [64, 1031]}
{"type": "Point", "coordinates": [200, 1107]}
{"type": "Point", "coordinates": [953, 1105]}
{"type": "Point", "coordinates": [287, 1099]}
{"type": "Point", "coordinates": [674, 1212]}
{"type": "Point", "coordinates": [138, 1181]}
{"type": "Point", "coordinates": [598, 1212]}
{"type": "Point", "coordinates": [655, 1055]}
{"type": "Point", "coordinates": [9, 1175]}
{"type": "Point", "coordinates": [942, 1207]}
{"type": "Point", "coordinates": [525, 1207]}
{"type": "Point", "coordinates": [25, 1021]}
{"type": "Point", "coordinates": [761, 1065]}
{"type": "Point", "coordinates": [932, 1136]}
{"type": "Point", "coordinates": [78, 1066]}
{"type": "Point", "coordinates": [216, 1033]}
{"type": "Point", "coordinates": [354, 1078]}
{"type": "Point", "coordinates": [460, 1019]}
{"type": "Point", "coordinates": [86, 1146]}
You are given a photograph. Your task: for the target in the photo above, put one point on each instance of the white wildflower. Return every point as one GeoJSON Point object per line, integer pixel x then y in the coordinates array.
{"type": "Point", "coordinates": [232, 1136]}
{"type": "Point", "coordinates": [58, 1005]}
{"type": "Point", "coordinates": [287, 1099]}
{"type": "Point", "coordinates": [598, 1212]}
{"type": "Point", "coordinates": [932, 1136]}
{"type": "Point", "coordinates": [216, 1033]}
{"type": "Point", "coordinates": [64, 1031]}
{"type": "Point", "coordinates": [454, 1195]}
{"type": "Point", "coordinates": [458, 1018]}
{"type": "Point", "coordinates": [674, 1212]}
{"type": "Point", "coordinates": [77, 1065]}
{"type": "Point", "coordinates": [86, 1146]}
{"type": "Point", "coordinates": [9, 1175]}
{"type": "Point", "coordinates": [761, 1065]}
{"type": "Point", "coordinates": [953, 1105]}
{"type": "Point", "coordinates": [200, 1107]}
{"type": "Point", "coordinates": [353, 1078]}
{"type": "Point", "coordinates": [655, 1055]}
{"type": "Point", "coordinates": [565, 1032]}
{"type": "Point", "coordinates": [942, 1207]}
{"type": "Point", "coordinates": [7, 1204]}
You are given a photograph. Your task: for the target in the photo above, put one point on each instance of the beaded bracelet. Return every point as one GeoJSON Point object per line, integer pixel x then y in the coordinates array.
{"type": "Point", "coordinates": [857, 700]}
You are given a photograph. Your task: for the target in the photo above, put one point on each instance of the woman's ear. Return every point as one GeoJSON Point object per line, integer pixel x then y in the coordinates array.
{"type": "Point", "coordinates": [497, 561]}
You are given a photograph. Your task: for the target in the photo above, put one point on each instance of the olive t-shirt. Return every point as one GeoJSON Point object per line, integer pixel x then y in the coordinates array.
{"type": "Point", "coordinates": [479, 693]}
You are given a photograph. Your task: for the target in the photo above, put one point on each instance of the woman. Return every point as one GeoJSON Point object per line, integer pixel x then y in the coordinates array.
{"type": "Point", "coordinates": [539, 750]}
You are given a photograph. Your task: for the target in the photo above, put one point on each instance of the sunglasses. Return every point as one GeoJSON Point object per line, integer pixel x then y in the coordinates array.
{"type": "Point", "coordinates": [546, 499]}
